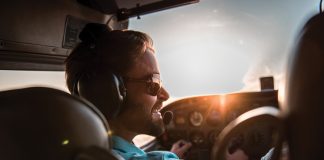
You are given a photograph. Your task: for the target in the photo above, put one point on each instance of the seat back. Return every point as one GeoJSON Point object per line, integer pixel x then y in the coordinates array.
{"type": "Point", "coordinates": [43, 123]}
{"type": "Point", "coordinates": [305, 93]}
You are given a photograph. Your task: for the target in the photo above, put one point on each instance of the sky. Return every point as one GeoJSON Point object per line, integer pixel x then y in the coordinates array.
{"type": "Point", "coordinates": [212, 47]}
{"type": "Point", "coordinates": [224, 46]}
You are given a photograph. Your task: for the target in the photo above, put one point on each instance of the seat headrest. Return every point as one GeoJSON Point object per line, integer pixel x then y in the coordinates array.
{"type": "Point", "coordinates": [44, 123]}
{"type": "Point", "coordinates": [305, 93]}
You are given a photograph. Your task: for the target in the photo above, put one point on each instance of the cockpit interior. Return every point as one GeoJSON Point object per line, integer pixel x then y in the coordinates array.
{"type": "Point", "coordinates": [270, 53]}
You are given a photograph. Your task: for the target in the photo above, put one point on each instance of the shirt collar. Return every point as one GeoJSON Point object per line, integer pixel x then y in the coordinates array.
{"type": "Point", "coordinates": [123, 146]}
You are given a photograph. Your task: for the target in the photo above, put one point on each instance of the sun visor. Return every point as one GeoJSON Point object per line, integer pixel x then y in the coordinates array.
{"type": "Point", "coordinates": [127, 9]}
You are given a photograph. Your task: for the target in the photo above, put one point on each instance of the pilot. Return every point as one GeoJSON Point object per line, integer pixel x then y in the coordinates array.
{"type": "Point", "coordinates": [118, 72]}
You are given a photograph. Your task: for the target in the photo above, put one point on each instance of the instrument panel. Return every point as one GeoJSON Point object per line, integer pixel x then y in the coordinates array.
{"type": "Point", "coordinates": [200, 119]}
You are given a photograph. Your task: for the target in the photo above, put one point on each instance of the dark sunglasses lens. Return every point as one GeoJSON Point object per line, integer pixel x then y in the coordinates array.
{"type": "Point", "coordinates": [154, 88]}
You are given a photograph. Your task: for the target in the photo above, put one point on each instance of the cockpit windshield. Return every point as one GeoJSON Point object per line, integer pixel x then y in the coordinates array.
{"type": "Point", "coordinates": [219, 47]}
{"type": "Point", "coordinates": [224, 46]}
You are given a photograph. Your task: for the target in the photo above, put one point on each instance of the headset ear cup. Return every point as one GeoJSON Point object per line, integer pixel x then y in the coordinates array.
{"type": "Point", "coordinates": [119, 91]}
{"type": "Point", "coordinates": [105, 90]}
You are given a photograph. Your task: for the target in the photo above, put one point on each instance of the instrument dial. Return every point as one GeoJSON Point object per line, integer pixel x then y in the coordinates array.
{"type": "Point", "coordinates": [214, 118]}
{"type": "Point", "coordinates": [196, 118]}
{"type": "Point", "coordinates": [180, 120]}
{"type": "Point", "coordinates": [197, 138]}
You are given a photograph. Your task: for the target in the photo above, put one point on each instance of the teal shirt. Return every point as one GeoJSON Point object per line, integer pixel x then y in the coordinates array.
{"type": "Point", "coordinates": [131, 152]}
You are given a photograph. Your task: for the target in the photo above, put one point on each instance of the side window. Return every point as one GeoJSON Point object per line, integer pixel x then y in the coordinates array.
{"type": "Point", "coordinates": [20, 79]}
{"type": "Point", "coordinates": [142, 139]}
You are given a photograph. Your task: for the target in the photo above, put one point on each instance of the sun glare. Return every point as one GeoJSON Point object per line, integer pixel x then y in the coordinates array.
{"type": "Point", "coordinates": [222, 101]}
{"type": "Point", "coordinates": [282, 92]}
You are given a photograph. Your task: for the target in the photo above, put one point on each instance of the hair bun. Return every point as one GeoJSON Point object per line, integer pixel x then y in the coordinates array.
{"type": "Point", "coordinates": [92, 31]}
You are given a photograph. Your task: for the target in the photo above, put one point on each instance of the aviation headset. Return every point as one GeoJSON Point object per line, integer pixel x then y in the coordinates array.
{"type": "Point", "coordinates": [104, 88]}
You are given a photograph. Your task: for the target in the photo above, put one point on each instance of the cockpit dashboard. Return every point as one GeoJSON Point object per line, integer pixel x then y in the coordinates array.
{"type": "Point", "coordinates": [200, 119]}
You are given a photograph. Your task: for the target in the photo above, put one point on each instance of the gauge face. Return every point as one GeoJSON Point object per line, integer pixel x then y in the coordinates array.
{"type": "Point", "coordinates": [212, 136]}
{"type": "Point", "coordinates": [197, 138]}
{"type": "Point", "coordinates": [180, 120]}
{"type": "Point", "coordinates": [214, 118]}
{"type": "Point", "coordinates": [196, 118]}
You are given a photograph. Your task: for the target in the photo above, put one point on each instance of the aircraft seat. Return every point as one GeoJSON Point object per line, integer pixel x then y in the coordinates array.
{"type": "Point", "coordinates": [304, 101]}
{"type": "Point", "coordinates": [41, 123]}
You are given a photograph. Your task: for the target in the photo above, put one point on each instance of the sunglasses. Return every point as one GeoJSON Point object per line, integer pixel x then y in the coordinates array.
{"type": "Point", "coordinates": [153, 83]}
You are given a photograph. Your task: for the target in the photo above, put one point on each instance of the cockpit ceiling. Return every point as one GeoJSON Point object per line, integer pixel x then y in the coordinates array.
{"type": "Point", "coordinates": [39, 35]}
